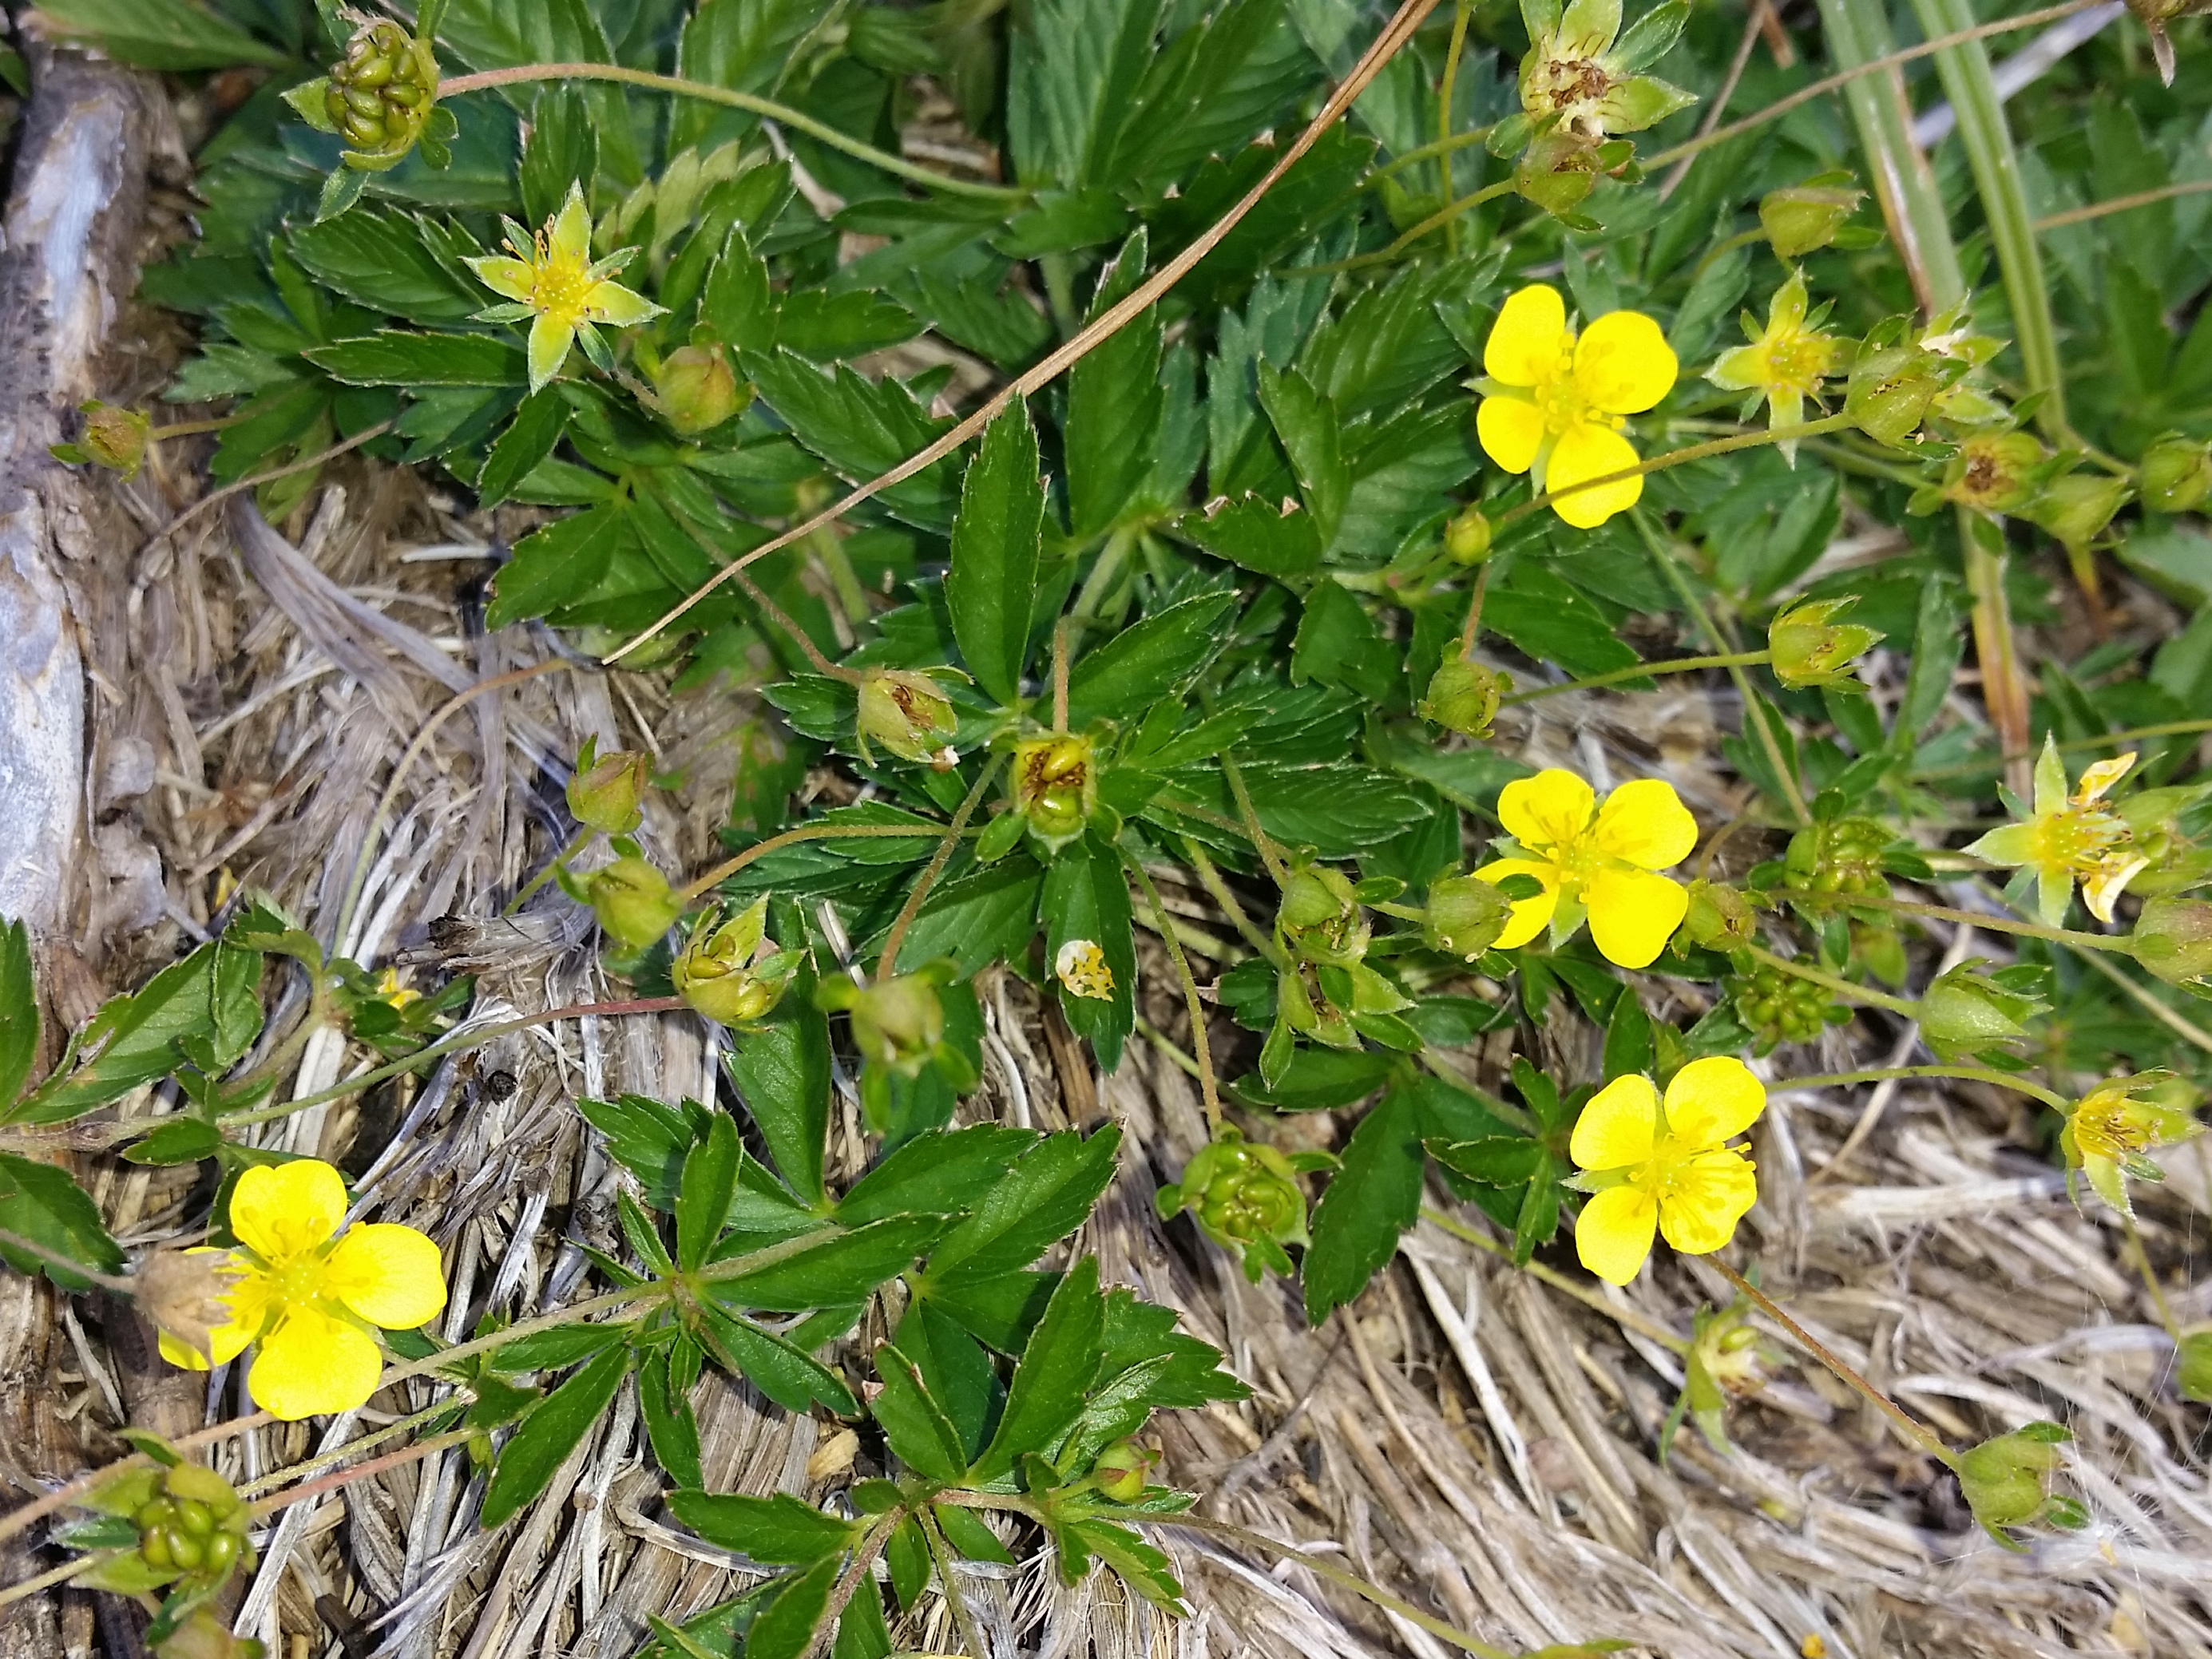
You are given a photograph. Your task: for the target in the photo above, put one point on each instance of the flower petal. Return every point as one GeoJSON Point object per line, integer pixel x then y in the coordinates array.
{"type": "Point", "coordinates": [1623, 364]}
{"type": "Point", "coordinates": [550, 340]}
{"type": "Point", "coordinates": [1619, 1127]}
{"type": "Point", "coordinates": [279, 1211]}
{"type": "Point", "coordinates": [1511, 429]}
{"type": "Point", "coordinates": [390, 1275]}
{"type": "Point", "coordinates": [616, 306]}
{"type": "Point", "coordinates": [1709, 1194]}
{"type": "Point", "coordinates": [1588, 28]}
{"type": "Point", "coordinates": [571, 238]}
{"type": "Point", "coordinates": [1713, 1100]}
{"type": "Point", "coordinates": [1741, 369]}
{"type": "Point", "coordinates": [1632, 914]}
{"type": "Point", "coordinates": [1645, 823]}
{"type": "Point", "coordinates": [311, 1365]}
{"type": "Point", "coordinates": [1529, 339]}
{"type": "Point", "coordinates": [1529, 915]}
{"type": "Point", "coordinates": [511, 278]}
{"type": "Point", "coordinates": [2101, 776]}
{"type": "Point", "coordinates": [1548, 810]}
{"type": "Point", "coordinates": [1612, 1236]}
{"type": "Point", "coordinates": [2104, 884]}
{"type": "Point", "coordinates": [1586, 449]}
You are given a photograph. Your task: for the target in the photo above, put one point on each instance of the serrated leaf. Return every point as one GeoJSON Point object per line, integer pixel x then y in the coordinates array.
{"type": "Point", "coordinates": [860, 428]}
{"type": "Point", "coordinates": [557, 565]}
{"type": "Point", "coordinates": [1141, 1566]}
{"type": "Point", "coordinates": [1318, 1079]}
{"type": "Point", "coordinates": [529, 439]}
{"type": "Point", "coordinates": [991, 588]}
{"type": "Point", "coordinates": [1057, 1365]}
{"type": "Point", "coordinates": [529, 1459]}
{"type": "Point", "coordinates": [782, 1075]}
{"type": "Point", "coordinates": [970, 1538]}
{"type": "Point", "coordinates": [1307, 425]}
{"type": "Point", "coordinates": [836, 1269]}
{"type": "Point", "coordinates": [171, 35]}
{"type": "Point", "coordinates": [1261, 536]}
{"type": "Point", "coordinates": [702, 1196]}
{"type": "Point", "coordinates": [914, 1423]}
{"type": "Point", "coordinates": [1375, 1197]}
{"type": "Point", "coordinates": [940, 1173]}
{"type": "Point", "coordinates": [18, 1013]}
{"type": "Point", "coordinates": [557, 1348]}
{"type": "Point", "coordinates": [790, 1377]}
{"type": "Point", "coordinates": [645, 1138]}
{"type": "Point", "coordinates": [778, 1531]}
{"type": "Point", "coordinates": [563, 148]}
{"type": "Point", "coordinates": [1040, 1202]}
{"type": "Point", "coordinates": [395, 357]}
{"type": "Point", "coordinates": [1134, 669]}
{"type": "Point", "coordinates": [1114, 404]}
{"type": "Point", "coordinates": [393, 262]}
{"type": "Point", "coordinates": [41, 1203]}
{"type": "Point", "coordinates": [178, 1140]}
{"type": "Point", "coordinates": [786, 1629]}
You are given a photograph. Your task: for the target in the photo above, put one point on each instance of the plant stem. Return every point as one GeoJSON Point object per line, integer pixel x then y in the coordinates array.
{"type": "Point", "coordinates": [1909, 1426]}
{"type": "Point", "coordinates": [406, 1455]}
{"type": "Point", "coordinates": [115, 1283]}
{"type": "Point", "coordinates": [941, 1553]}
{"type": "Point", "coordinates": [887, 964]}
{"type": "Point", "coordinates": [1457, 141]}
{"type": "Point", "coordinates": [2122, 205]}
{"type": "Point", "coordinates": [1262, 843]}
{"type": "Point", "coordinates": [1842, 987]}
{"type": "Point", "coordinates": [2011, 1080]}
{"type": "Point", "coordinates": [366, 434]}
{"type": "Point", "coordinates": [577, 844]}
{"type": "Point", "coordinates": [191, 429]}
{"type": "Point", "coordinates": [1209, 1091]}
{"type": "Point", "coordinates": [1677, 666]}
{"type": "Point", "coordinates": [775, 613]}
{"type": "Point", "coordinates": [1060, 655]}
{"type": "Point", "coordinates": [1209, 877]}
{"type": "Point", "coordinates": [277, 1478]}
{"type": "Point", "coordinates": [1626, 1317]}
{"type": "Point", "coordinates": [1774, 434]}
{"type": "Point", "coordinates": [1461, 13]}
{"type": "Point", "coordinates": [2150, 1280]}
{"type": "Point", "coordinates": [48, 1579]}
{"type": "Point", "coordinates": [2108, 740]}
{"type": "Point", "coordinates": [854, 1575]}
{"type": "Point", "coordinates": [1755, 17]}
{"type": "Point", "coordinates": [797, 120]}
{"type": "Point", "coordinates": [1443, 216]}
{"type": "Point", "coordinates": [2119, 944]}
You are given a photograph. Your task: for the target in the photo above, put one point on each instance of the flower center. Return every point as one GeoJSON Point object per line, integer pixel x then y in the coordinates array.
{"type": "Point", "coordinates": [1662, 1174]}
{"type": "Point", "coordinates": [1558, 399]}
{"type": "Point", "coordinates": [1795, 362]}
{"type": "Point", "coordinates": [2079, 837]}
{"type": "Point", "coordinates": [560, 287]}
{"type": "Point", "coordinates": [296, 1281]}
{"type": "Point", "coordinates": [1566, 84]}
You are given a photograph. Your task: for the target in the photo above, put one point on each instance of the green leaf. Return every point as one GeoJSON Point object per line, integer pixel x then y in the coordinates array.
{"type": "Point", "coordinates": [1938, 645]}
{"type": "Point", "coordinates": [788, 1375]}
{"type": "Point", "coordinates": [839, 1268]}
{"type": "Point", "coordinates": [862, 1633]}
{"type": "Point", "coordinates": [1283, 542]}
{"type": "Point", "coordinates": [778, 1531]}
{"type": "Point", "coordinates": [1495, 1160]}
{"type": "Point", "coordinates": [392, 357]}
{"type": "Point", "coordinates": [555, 1349]}
{"type": "Point", "coordinates": [1144, 1569]}
{"type": "Point", "coordinates": [1114, 404]}
{"type": "Point", "coordinates": [1339, 644]}
{"type": "Point", "coordinates": [782, 1075]}
{"type": "Point", "coordinates": [178, 1139]}
{"type": "Point", "coordinates": [529, 1461]}
{"type": "Point", "coordinates": [18, 1013]}
{"type": "Point", "coordinates": [394, 262]}
{"type": "Point", "coordinates": [970, 1538]}
{"type": "Point", "coordinates": [1057, 1365]}
{"type": "Point", "coordinates": [860, 428]}
{"type": "Point", "coordinates": [1375, 1196]}
{"type": "Point", "coordinates": [991, 588]}
{"type": "Point", "coordinates": [1307, 425]}
{"type": "Point", "coordinates": [528, 440]}
{"type": "Point", "coordinates": [785, 1630]}
{"type": "Point", "coordinates": [563, 148]}
{"type": "Point", "coordinates": [41, 1203]}
{"type": "Point", "coordinates": [1042, 1200]}
{"type": "Point", "coordinates": [743, 44]}
{"type": "Point", "coordinates": [645, 1138]}
{"type": "Point", "coordinates": [1086, 897]}
{"type": "Point", "coordinates": [557, 565]}
{"type": "Point", "coordinates": [978, 919]}
{"type": "Point", "coordinates": [1318, 1079]}
{"type": "Point", "coordinates": [171, 35]}
{"type": "Point", "coordinates": [670, 1424]}
{"type": "Point", "coordinates": [736, 303]}
{"type": "Point", "coordinates": [941, 1173]}
{"type": "Point", "coordinates": [703, 1199]}
{"type": "Point", "coordinates": [913, 1422]}
{"type": "Point", "coordinates": [830, 327]}
{"type": "Point", "coordinates": [1547, 618]}
{"type": "Point", "coordinates": [1140, 665]}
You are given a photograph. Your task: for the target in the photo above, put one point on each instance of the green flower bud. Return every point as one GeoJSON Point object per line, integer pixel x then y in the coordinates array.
{"type": "Point", "coordinates": [1801, 219]}
{"type": "Point", "coordinates": [1719, 917]}
{"type": "Point", "coordinates": [191, 1530]}
{"type": "Point", "coordinates": [1556, 172]}
{"type": "Point", "coordinates": [2173, 939]}
{"type": "Point", "coordinates": [1245, 1197]}
{"type": "Point", "coordinates": [113, 437]}
{"type": "Point", "coordinates": [1320, 919]}
{"type": "Point", "coordinates": [1463, 697]}
{"type": "Point", "coordinates": [2076, 509]}
{"type": "Point", "coordinates": [721, 972]}
{"type": "Point", "coordinates": [1779, 1007]}
{"type": "Point", "coordinates": [1810, 647]}
{"type": "Point", "coordinates": [379, 94]}
{"type": "Point", "coordinates": [632, 903]}
{"type": "Point", "coordinates": [1837, 855]}
{"type": "Point", "coordinates": [1120, 1471]}
{"type": "Point", "coordinates": [2192, 1365]}
{"type": "Point", "coordinates": [1965, 1013]}
{"type": "Point", "coordinates": [1994, 472]}
{"type": "Point", "coordinates": [907, 714]}
{"type": "Point", "coordinates": [605, 790]}
{"type": "Point", "coordinates": [897, 1024]}
{"type": "Point", "coordinates": [1467, 538]}
{"type": "Point", "coordinates": [1889, 392]}
{"type": "Point", "coordinates": [2008, 1479]}
{"type": "Point", "coordinates": [696, 390]}
{"type": "Point", "coordinates": [2175, 474]}
{"type": "Point", "coordinates": [1055, 785]}
{"type": "Point", "coordinates": [1464, 916]}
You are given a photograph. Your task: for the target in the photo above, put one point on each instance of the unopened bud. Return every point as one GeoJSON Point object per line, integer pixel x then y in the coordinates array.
{"type": "Point", "coordinates": [1801, 219]}
{"type": "Point", "coordinates": [605, 790]}
{"type": "Point", "coordinates": [896, 1023]}
{"type": "Point", "coordinates": [1889, 392]}
{"type": "Point", "coordinates": [696, 390]}
{"type": "Point", "coordinates": [2172, 938]}
{"type": "Point", "coordinates": [2192, 1365]}
{"type": "Point", "coordinates": [1464, 916]}
{"type": "Point", "coordinates": [2076, 509]}
{"type": "Point", "coordinates": [2175, 475]}
{"type": "Point", "coordinates": [1055, 785]}
{"type": "Point", "coordinates": [1994, 472]}
{"type": "Point", "coordinates": [1965, 1013]}
{"type": "Point", "coordinates": [1120, 1471]}
{"type": "Point", "coordinates": [1467, 538]}
{"type": "Point", "coordinates": [203, 1636]}
{"type": "Point", "coordinates": [2008, 1479]}
{"type": "Point", "coordinates": [1463, 697]}
{"type": "Point", "coordinates": [1808, 646]}
{"type": "Point", "coordinates": [906, 713]}
{"type": "Point", "coordinates": [113, 437]}
{"type": "Point", "coordinates": [1319, 918]}
{"type": "Point", "coordinates": [1556, 172]}
{"type": "Point", "coordinates": [1719, 917]}
{"type": "Point", "coordinates": [721, 971]}
{"type": "Point", "coordinates": [632, 903]}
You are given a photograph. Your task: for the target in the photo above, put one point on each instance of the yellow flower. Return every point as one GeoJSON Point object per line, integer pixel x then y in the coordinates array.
{"type": "Point", "coordinates": [2069, 837]}
{"type": "Point", "coordinates": [1598, 862]}
{"type": "Point", "coordinates": [2113, 1125]}
{"type": "Point", "coordinates": [1553, 403]}
{"type": "Point", "coordinates": [552, 279]}
{"type": "Point", "coordinates": [1083, 971]}
{"type": "Point", "coordinates": [1667, 1169]}
{"type": "Point", "coordinates": [311, 1295]}
{"type": "Point", "coordinates": [1784, 363]}
{"type": "Point", "coordinates": [392, 992]}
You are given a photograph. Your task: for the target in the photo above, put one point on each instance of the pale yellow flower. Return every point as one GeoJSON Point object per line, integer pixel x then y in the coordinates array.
{"type": "Point", "coordinates": [552, 279]}
{"type": "Point", "coordinates": [1784, 363]}
{"type": "Point", "coordinates": [2068, 838]}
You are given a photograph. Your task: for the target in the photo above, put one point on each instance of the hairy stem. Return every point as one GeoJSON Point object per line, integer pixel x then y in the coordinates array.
{"type": "Point", "coordinates": [2011, 1080]}
{"type": "Point", "coordinates": [1209, 1091]}
{"type": "Point", "coordinates": [1262, 843]}
{"type": "Point", "coordinates": [1842, 987]}
{"type": "Point", "coordinates": [2118, 944]}
{"type": "Point", "coordinates": [1462, 12]}
{"type": "Point", "coordinates": [2121, 204]}
{"type": "Point", "coordinates": [1677, 666]}
{"type": "Point", "coordinates": [557, 863]}
{"type": "Point", "coordinates": [1442, 218]}
{"type": "Point", "coordinates": [889, 962]}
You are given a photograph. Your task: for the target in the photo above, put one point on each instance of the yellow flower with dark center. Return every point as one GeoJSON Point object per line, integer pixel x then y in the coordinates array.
{"type": "Point", "coordinates": [2069, 838]}
{"type": "Point", "coordinates": [1784, 363]}
{"type": "Point", "coordinates": [1598, 862]}
{"type": "Point", "coordinates": [1554, 402]}
{"type": "Point", "coordinates": [1665, 1167]}
{"type": "Point", "coordinates": [552, 279]}
{"type": "Point", "coordinates": [310, 1295]}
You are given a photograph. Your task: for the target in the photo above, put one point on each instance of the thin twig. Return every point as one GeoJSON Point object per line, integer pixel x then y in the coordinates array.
{"type": "Point", "coordinates": [889, 961]}
{"type": "Point", "coordinates": [365, 435]}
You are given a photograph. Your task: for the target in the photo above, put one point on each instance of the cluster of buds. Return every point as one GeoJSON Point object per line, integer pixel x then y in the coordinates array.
{"type": "Point", "coordinates": [2111, 1128]}
{"type": "Point", "coordinates": [191, 1530]}
{"type": "Point", "coordinates": [113, 436]}
{"type": "Point", "coordinates": [906, 714]}
{"type": "Point", "coordinates": [1965, 1013]}
{"type": "Point", "coordinates": [2007, 1481]}
{"type": "Point", "coordinates": [1842, 856]}
{"type": "Point", "coordinates": [1463, 697]}
{"type": "Point", "coordinates": [1245, 1197]}
{"type": "Point", "coordinates": [380, 98]}
{"type": "Point", "coordinates": [1778, 1007]}
{"type": "Point", "coordinates": [1809, 645]}
{"type": "Point", "coordinates": [729, 970]}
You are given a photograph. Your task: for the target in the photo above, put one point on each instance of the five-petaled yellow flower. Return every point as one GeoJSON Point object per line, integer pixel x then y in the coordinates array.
{"type": "Point", "coordinates": [552, 279]}
{"type": "Point", "coordinates": [1553, 402]}
{"type": "Point", "coordinates": [1665, 1168]}
{"type": "Point", "coordinates": [2067, 837]}
{"type": "Point", "coordinates": [1784, 363]}
{"type": "Point", "coordinates": [309, 1294]}
{"type": "Point", "coordinates": [1595, 862]}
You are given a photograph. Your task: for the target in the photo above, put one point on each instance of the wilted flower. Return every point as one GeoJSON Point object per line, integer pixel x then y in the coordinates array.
{"type": "Point", "coordinates": [2069, 838]}
{"type": "Point", "coordinates": [1055, 785]}
{"type": "Point", "coordinates": [113, 437]}
{"type": "Point", "coordinates": [1808, 646]}
{"type": "Point", "coordinates": [1890, 392]}
{"type": "Point", "coordinates": [1995, 472]}
{"type": "Point", "coordinates": [906, 713]}
{"type": "Point", "coordinates": [2111, 1127]}
{"type": "Point", "coordinates": [728, 971]}
{"type": "Point", "coordinates": [1719, 916]}
{"type": "Point", "coordinates": [1579, 74]}
{"type": "Point", "coordinates": [605, 791]}
{"type": "Point", "coordinates": [1654, 1167]}
{"type": "Point", "coordinates": [1554, 403]}
{"type": "Point", "coordinates": [1598, 862]}
{"type": "Point", "coordinates": [552, 279]}
{"type": "Point", "coordinates": [1082, 970]}
{"type": "Point", "coordinates": [633, 901]}
{"type": "Point", "coordinates": [187, 1293]}
{"type": "Point", "coordinates": [1463, 697]}
{"type": "Point", "coordinates": [1784, 363]}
